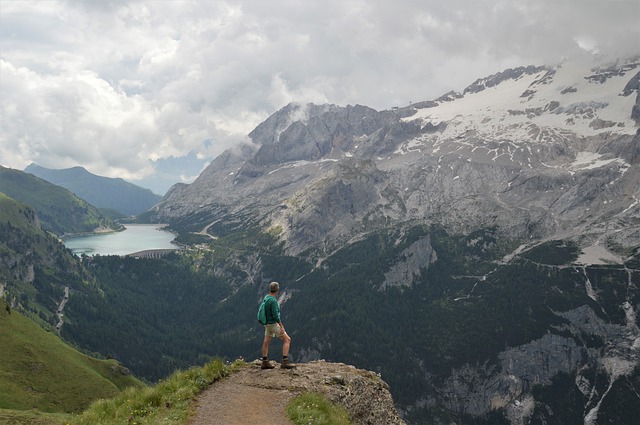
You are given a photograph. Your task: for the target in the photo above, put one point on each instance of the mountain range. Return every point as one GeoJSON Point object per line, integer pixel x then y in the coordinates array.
{"type": "Point", "coordinates": [102, 192]}
{"type": "Point", "coordinates": [538, 152]}
{"type": "Point", "coordinates": [480, 251]}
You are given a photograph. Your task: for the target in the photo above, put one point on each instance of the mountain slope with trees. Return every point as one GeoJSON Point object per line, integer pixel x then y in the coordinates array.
{"type": "Point", "coordinates": [41, 377]}
{"type": "Point", "coordinates": [59, 210]}
{"type": "Point", "coordinates": [35, 267]}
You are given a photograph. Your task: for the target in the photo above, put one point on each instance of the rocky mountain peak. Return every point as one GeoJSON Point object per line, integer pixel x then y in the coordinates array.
{"type": "Point", "coordinates": [509, 74]}
{"type": "Point", "coordinates": [312, 132]}
{"type": "Point", "coordinates": [536, 151]}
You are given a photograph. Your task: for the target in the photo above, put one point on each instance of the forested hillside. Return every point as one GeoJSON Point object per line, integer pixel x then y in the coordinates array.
{"type": "Point", "coordinates": [155, 316]}
{"type": "Point", "coordinates": [466, 308]}
{"type": "Point", "coordinates": [35, 267]}
{"type": "Point", "coordinates": [59, 210]}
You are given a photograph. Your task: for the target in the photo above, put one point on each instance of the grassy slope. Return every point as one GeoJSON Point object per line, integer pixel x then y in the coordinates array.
{"type": "Point", "coordinates": [39, 371]}
{"type": "Point", "coordinates": [167, 403]}
{"type": "Point", "coordinates": [11, 211]}
{"type": "Point", "coordinates": [32, 417]}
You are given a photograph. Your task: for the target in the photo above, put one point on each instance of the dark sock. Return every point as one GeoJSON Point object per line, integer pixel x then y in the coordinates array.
{"type": "Point", "coordinates": [264, 359]}
{"type": "Point", "coordinates": [284, 357]}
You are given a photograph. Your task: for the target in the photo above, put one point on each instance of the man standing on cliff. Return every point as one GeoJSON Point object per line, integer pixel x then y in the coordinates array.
{"type": "Point", "coordinates": [274, 328]}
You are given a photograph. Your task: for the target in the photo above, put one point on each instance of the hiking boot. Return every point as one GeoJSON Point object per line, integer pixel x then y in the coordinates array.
{"type": "Point", "coordinates": [287, 365]}
{"type": "Point", "coordinates": [266, 364]}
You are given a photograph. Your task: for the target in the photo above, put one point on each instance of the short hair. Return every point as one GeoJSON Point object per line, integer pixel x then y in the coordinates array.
{"type": "Point", "coordinates": [274, 287]}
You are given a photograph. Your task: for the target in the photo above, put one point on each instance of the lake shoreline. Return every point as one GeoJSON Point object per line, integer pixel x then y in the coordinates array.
{"type": "Point", "coordinates": [132, 238]}
{"type": "Point", "coordinates": [107, 231]}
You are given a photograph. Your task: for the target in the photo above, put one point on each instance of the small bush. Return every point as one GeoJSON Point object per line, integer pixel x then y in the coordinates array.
{"type": "Point", "coordinates": [314, 409]}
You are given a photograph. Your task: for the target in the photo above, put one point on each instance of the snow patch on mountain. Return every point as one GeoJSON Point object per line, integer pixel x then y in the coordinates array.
{"type": "Point", "coordinates": [566, 100]}
{"type": "Point", "coordinates": [592, 160]}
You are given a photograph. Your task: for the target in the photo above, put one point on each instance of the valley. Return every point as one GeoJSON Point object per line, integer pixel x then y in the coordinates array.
{"type": "Point", "coordinates": [479, 251]}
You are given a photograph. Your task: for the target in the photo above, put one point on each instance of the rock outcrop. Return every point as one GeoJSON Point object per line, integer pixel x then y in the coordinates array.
{"type": "Point", "coordinates": [363, 394]}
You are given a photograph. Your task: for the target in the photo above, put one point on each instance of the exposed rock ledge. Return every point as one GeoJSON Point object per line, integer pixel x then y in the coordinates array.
{"type": "Point", "coordinates": [362, 393]}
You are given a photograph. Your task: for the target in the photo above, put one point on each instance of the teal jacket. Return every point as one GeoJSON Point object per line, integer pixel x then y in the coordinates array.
{"type": "Point", "coordinates": [271, 309]}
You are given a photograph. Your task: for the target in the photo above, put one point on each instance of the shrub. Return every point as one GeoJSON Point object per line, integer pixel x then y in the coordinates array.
{"type": "Point", "coordinates": [314, 409]}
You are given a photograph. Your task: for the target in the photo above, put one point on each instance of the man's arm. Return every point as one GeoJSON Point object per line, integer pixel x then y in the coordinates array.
{"type": "Point", "coordinates": [276, 308]}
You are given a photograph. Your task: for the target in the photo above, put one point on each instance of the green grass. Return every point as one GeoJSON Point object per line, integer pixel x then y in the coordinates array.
{"type": "Point", "coordinates": [44, 381]}
{"type": "Point", "coordinates": [17, 213]}
{"type": "Point", "coordinates": [314, 409]}
{"type": "Point", "coordinates": [31, 417]}
{"type": "Point", "coordinates": [167, 403]}
{"type": "Point", "coordinates": [40, 372]}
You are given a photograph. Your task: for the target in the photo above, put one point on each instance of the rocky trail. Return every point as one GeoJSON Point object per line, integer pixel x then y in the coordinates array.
{"type": "Point", "coordinates": [252, 396]}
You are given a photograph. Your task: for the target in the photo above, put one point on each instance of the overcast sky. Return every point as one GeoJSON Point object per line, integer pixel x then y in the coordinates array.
{"type": "Point", "coordinates": [135, 89]}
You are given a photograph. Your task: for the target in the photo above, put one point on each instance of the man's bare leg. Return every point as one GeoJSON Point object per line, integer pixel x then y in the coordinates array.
{"type": "Point", "coordinates": [286, 343]}
{"type": "Point", "coordinates": [265, 346]}
{"type": "Point", "coordinates": [265, 353]}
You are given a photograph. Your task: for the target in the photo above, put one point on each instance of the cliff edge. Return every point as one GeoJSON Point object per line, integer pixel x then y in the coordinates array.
{"type": "Point", "coordinates": [255, 396]}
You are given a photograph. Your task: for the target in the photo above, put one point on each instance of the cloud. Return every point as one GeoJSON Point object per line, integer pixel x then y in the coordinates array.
{"type": "Point", "coordinates": [69, 119]}
{"type": "Point", "coordinates": [116, 86]}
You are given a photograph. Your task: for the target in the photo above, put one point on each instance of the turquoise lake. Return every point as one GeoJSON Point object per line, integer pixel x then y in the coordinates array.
{"type": "Point", "coordinates": [136, 237]}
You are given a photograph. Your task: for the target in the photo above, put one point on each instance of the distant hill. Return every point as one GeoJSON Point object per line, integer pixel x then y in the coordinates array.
{"type": "Point", "coordinates": [58, 210]}
{"type": "Point", "coordinates": [39, 371]}
{"type": "Point", "coordinates": [102, 192]}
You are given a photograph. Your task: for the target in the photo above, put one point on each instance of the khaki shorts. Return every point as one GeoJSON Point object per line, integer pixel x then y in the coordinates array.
{"type": "Point", "coordinates": [273, 330]}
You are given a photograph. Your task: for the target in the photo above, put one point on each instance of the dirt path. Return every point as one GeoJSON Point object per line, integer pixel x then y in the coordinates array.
{"type": "Point", "coordinates": [237, 401]}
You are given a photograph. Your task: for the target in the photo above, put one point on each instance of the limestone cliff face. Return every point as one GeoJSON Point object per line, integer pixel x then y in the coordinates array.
{"type": "Point", "coordinates": [481, 389]}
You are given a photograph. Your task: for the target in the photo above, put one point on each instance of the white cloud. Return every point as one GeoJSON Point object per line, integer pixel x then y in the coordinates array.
{"type": "Point", "coordinates": [113, 85]}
